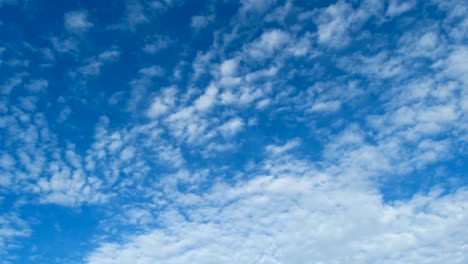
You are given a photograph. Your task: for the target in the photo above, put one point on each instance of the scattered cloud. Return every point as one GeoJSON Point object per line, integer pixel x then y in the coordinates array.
{"type": "Point", "coordinates": [337, 22]}
{"type": "Point", "coordinates": [77, 21]}
{"type": "Point", "coordinates": [92, 66]}
{"type": "Point", "coordinates": [232, 127]}
{"type": "Point", "coordinates": [11, 227]}
{"type": "Point", "coordinates": [8, 86]}
{"type": "Point", "coordinates": [276, 150]}
{"type": "Point", "coordinates": [157, 43]}
{"type": "Point", "coordinates": [313, 210]}
{"type": "Point", "coordinates": [397, 7]}
{"type": "Point", "coordinates": [262, 131]}
{"type": "Point", "coordinates": [36, 86]}
{"type": "Point", "coordinates": [201, 21]}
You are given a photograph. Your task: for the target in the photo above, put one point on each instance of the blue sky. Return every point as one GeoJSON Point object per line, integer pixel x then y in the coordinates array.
{"type": "Point", "coordinates": [223, 131]}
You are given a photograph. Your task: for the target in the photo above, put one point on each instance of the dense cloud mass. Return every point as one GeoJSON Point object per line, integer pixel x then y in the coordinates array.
{"type": "Point", "coordinates": [250, 131]}
{"type": "Point", "coordinates": [299, 217]}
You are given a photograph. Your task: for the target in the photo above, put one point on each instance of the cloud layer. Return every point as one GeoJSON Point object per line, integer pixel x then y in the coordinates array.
{"type": "Point", "coordinates": [234, 131]}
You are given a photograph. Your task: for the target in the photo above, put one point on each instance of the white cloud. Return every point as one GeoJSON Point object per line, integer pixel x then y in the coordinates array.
{"type": "Point", "coordinates": [232, 127]}
{"type": "Point", "coordinates": [284, 210]}
{"type": "Point", "coordinates": [201, 21]}
{"type": "Point", "coordinates": [259, 6]}
{"type": "Point", "coordinates": [189, 125]}
{"type": "Point", "coordinates": [162, 103]}
{"type": "Point", "coordinates": [157, 43]}
{"type": "Point", "coordinates": [77, 21]}
{"type": "Point", "coordinates": [382, 65]}
{"type": "Point", "coordinates": [64, 45]}
{"type": "Point", "coordinates": [93, 65]}
{"type": "Point", "coordinates": [28, 103]}
{"type": "Point", "coordinates": [229, 67]}
{"type": "Point", "coordinates": [297, 219]}
{"type": "Point", "coordinates": [268, 73]}
{"type": "Point", "coordinates": [427, 43]}
{"type": "Point", "coordinates": [268, 43]}
{"type": "Point", "coordinates": [329, 106]}
{"type": "Point", "coordinates": [37, 167]}
{"type": "Point", "coordinates": [157, 108]}
{"type": "Point", "coordinates": [263, 103]}
{"type": "Point", "coordinates": [208, 99]}
{"type": "Point", "coordinates": [12, 227]}
{"type": "Point", "coordinates": [333, 24]}
{"type": "Point", "coordinates": [337, 22]}
{"type": "Point", "coordinates": [6, 161]}
{"type": "Point", "coordinates": [152, 71]}
{"type": "Point", "coordinates": [109, 55]}
{"type": "Point", "coordinates": [139, 86]}
{"type": "Point", "coordinates": [10, 84]}
{"type": "Point", "coordinates": [127, 153]}
{"type": "Point", "coordinates": [275, 150]}
{"type": "Point", "coordinates": [163, 5]}
{"type": "Point", "coordinates": [171, 155]}
{"type": "Point", "coordinates": [134, 16]}
{"type": "Point", "coordinates": [69, 187]}
{"type": "Point", "coordinates": [64, 114]}
{"type": "Point", "coordinates": [456, 65]}
{"type": "Point", "coordinates": [36, 86]}
{"type": "Point", "coordinates": [92, 68]}
{"type": "Point", "coordinates": [398, 7]}
{"type": "Point", "coordinates": [428, 40]}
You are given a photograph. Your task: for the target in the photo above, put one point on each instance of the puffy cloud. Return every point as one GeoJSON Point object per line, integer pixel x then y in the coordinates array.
{"type": "Point", "coordinates": [164, 5]}
{"type": "Point", "coordinates": [64, 45]}
{"type": "Point", "coordinates": [77, 21]}
{"type": "Point", "coordinates": [229, 67]}
{"type": "Point", "coordinates": [201, 21]}
{"type": "Point", "coordinates": [397, 7]}
{"type": "Point", "coordinates": [28, 103]}
{"type": "Point", "coordinates": [162, 104]}
{"type": "Point", "coordinates": [329, 106]}
{"type": "Point", "coordinates": [208, 99]}
{"type": "Point", "coordinates": [38, 85]}
{"type": "Point", "coordinates": [6, 161]}
{"type": "Point", "coordinates": [157, 108]}
{"type": "Point", "coordinates": [140, 85]}
{"type": "Point", "coordinates": [268, 43]}
{"type": "Point", "coordinates": [137, 13]}
{"type": "Point", "coordinates": [151, 71]}
{"type": "Point", "coordinates": [10, 84]}
{"type": "Point", "coordinates": [276, 150]}
{"type": "Point", "coordinates": [315, 110]}
{"type": "Point", "coordinates": [127, 153]}
{"type": "Point", "coordinates": [456, 65]}
{"type": "Point", "coordinates": [157, 43]}
{"type": "Point", "coordinates": [338, 21]}
{"type": "Point", "coordinates": [333, 25]}
{"type": "Point", "coordinates": [232, 127]}
{"type": "Point", "coordinates": [11, 227]}
{"type": "Point", "coordinates": [256, 5]}
{"type": "Point", "coordinates": [92, 66]}
{"type": "Point", "coordinates": [294, 219]}
{"type": "Point", "coordinates": [134, 16]}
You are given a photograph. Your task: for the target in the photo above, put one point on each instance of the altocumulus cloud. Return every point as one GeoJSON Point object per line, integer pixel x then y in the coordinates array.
{"type": "Point", "coordinates": [234, 132]}
{"type": "Point", "coordinates": [299, 215]}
